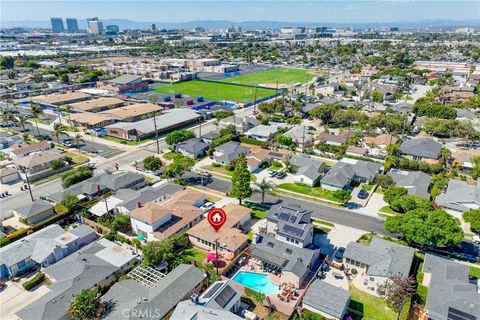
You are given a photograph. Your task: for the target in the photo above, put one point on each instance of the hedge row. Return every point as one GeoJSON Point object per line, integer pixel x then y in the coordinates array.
{"type": "Point", "coordinates": [76, 176]}
{"type": "Point", "coordinates": [37, 279]}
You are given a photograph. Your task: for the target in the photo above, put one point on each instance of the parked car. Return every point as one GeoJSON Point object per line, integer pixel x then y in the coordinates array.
{"type": "Point", "coordinates": [281, 174]}
{"type": "Point", "coordinates": [272, 173]}
{"type": "Point", "coordinates": [44, 137]}
{"type": "Point", "coordinates": [205, 173]}
{"type": "Point", "coordinates": [339, 254]}
{"type": "Point", "coordinates": [363, 194]}
{"type": "Point", "coordinates": [476, 239]}
{"type": "Point", "coordinates": [68, 143]}
{"type": "Point", "coordinates": [207, 206]}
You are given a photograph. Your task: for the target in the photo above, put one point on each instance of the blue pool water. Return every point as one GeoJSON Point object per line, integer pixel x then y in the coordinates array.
{"type": "Point", "coordinates": [256, 281]}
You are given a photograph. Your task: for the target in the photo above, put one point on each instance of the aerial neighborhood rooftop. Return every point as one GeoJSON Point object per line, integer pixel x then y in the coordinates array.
{"type": "Point", "coordinates": [240, 170]}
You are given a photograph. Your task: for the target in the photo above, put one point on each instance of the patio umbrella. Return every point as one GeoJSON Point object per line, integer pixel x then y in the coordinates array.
{"type": "Point", "coordinates": [140, 237]}
{"type": "Point", "coordinates": [211, 256]}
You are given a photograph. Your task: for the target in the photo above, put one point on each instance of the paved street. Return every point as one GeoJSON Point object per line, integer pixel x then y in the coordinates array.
{"type": "Point", "coordinates": [87, 145]}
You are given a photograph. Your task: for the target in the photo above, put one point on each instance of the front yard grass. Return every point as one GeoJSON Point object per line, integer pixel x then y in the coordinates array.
{"type": "Point", "coordinates": [127, 142]}
{"type": "Point", "coordinates": [387, 210]}
{"type": "Point", "coordinates": [171, 155]}
{"type": "Point", "coordinates": [77, 157]}
{"type": "Point", "coordinates": [258, 214]}
{"type": "Point", "coordinates": [475, 272]}
{"type": "Point", "coordinates": [370, 306]}
{"type": "Point", "coordinates": [222, 171]}
{"type": "Point", "coordinates": [316, 192]}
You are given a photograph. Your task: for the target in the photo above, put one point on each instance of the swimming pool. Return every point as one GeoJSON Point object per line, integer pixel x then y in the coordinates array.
{"type": "Point", "coordinates": [256, 281]}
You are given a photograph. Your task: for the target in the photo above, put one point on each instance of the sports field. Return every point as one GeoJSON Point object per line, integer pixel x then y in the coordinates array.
{"type": "Point", "coordinates": [215, 91]}
{"type": "Point", "coordinates": [284, 77]}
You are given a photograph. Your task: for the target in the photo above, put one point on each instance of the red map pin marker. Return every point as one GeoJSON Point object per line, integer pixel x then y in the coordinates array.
{"type": "Point", "coordinates": [217, 218]}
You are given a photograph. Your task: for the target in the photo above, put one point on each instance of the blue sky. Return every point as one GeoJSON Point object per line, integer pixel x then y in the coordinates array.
{"type": "Point", "coordinates": [268, 10]}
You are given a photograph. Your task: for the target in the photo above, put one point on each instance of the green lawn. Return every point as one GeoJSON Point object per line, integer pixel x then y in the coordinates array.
{"type": "Point", "coordinates": [215, 91]}
{"type": "Point", "coordinates": [281, 75]}
{"type": "Point", "coordinates": [172, 155]}
{"type": "Point", "coordinates": [223, 171]}
{"type": "Point", "coordinates": [326, 223]}
{"type": "Point", "coordinates": [3, 158]}
{"type": "Point", "coordinates": [194, 254]}
{"type": "Point", "coordinates": [388, 210]}
{"type": "Point", "coordinates": [370, 306]}
{"type": "Point", "coordinates": [475, 272]}
{"type": "Point", "coordinates": [308, 191]}
{"type": "Point", "coordinates": [123, 141]}
{"type": "Point", "coordinates": [258, 214]}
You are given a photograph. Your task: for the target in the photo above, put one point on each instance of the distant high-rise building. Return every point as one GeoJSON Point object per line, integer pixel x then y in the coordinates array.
{"type": "Point", "coordinates": [153, 27]}
{"type": "Point", "coordinates": [112, 29]}
{"type": "Point", "coordinates": [72, 25]}
{"type": "Point", "coordinates": [57, 25]}
{"type": "Point", "coordinates": [95, 26]}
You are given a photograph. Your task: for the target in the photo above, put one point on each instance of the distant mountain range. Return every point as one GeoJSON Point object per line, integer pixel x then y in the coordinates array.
{"type": "Point", "coordinates": [250, 25]}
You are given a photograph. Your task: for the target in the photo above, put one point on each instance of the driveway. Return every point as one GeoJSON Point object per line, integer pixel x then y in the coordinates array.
{"type": "Point", "coordinates": [14, 297]}
{"type": "Point", "coordinates": [373, 206]}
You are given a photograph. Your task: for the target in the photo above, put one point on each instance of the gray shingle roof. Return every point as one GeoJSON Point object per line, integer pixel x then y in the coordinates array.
{"type": "Point", "coordinates": [450, 290]}
{"type": "Point", "coordinates": [416, 182]}
{"type": "Point", "coordinates": [327, 298]}
{"type": "Point", "coordinates": [295, 259]}
{"type": "Point", "coordinates": [459, 196]}
{"type": "Point", "coordinates": [192, 146]}
{"type": "Point", "coordinates": [230, 151]}
{"type": "Point", "coordinates": [125, 79]}
{"type": "Point", "coordinates": [25, 247]}
{"type": "Point", "coordinates": [129, 294]}
{"type": "Point", "coordinates": [306, 166]}
{"type": "Point", "coordinates": [81, 270]}
{"type": "Point", "coordinates": [384, 258]}
{"type": "Point", "coordinates": [34, 208]}
{"type": "Point", "coordinates": [345, 170]}
{"type": "Point", "coordinates": [423, 147]}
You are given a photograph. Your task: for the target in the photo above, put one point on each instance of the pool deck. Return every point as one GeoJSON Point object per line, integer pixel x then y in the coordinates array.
{"type": "Point", "coordinates": [286, 290]}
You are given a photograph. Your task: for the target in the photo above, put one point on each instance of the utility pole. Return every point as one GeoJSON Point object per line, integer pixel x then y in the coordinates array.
{"type": "Point", "coordinates": [303, 140]}
{"type": "Point", "coordinates": [156, 131]}
{"type": "Point", "coordinates": [25, 171]}
{"type": "Point", "coordinates": [306, 87]}
{"type": "Point", "coordinates": [200, 129]}
{"type": "Point", "coordinates": [255, 101]}
{"type": "Point", "coordinates": [216, 255]}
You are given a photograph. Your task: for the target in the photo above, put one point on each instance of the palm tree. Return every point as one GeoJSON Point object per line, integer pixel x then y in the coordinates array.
{"type": "Point", "coordinates": [264, 186]}
{"type": "Point", "coordinates": [7, 116]}
{"type": "Point", "coordinates": [36, 111]}
{"type": "Point", "coordinates": [68, 108]}
{"type": "Point", "coordinates": [59, 129]}
{"type": "Point", "coordinates": [76, 139]}
{"type": "Point", "coordinates": [22, 121]}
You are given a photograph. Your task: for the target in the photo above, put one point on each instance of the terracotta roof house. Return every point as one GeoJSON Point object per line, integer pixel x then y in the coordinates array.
{"type": "Point", "coordinates": [96, 105]}
{"type": "Point", "coordinates": [382, 140]}
{"type": "Point", "coordinates": [158, 221]}
{"type": "Point", "coordinates": [17, 151]}
{"type": "Point", "coordinates": [230, 237]}
{"type": "Point", "coordinates": [133, 112]}
{"type": "Point", "coordinates": [335, 140]}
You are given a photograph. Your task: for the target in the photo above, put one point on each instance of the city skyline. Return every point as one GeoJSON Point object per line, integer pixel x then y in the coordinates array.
{"type": "Point", "coordinates": [242, 11]}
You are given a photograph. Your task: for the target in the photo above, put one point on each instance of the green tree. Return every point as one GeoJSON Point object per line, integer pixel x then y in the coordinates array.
{"type": "Point", "coordinates": [22, 121]}
{"type": "Point", "coordinates": [86, 305]}
{"type": "Point", "coordinates": [283, 140]}
{"type": "Point", "coordinates": [152, 163]}
{"type": "Point", "coordinates": [7, 62]}
{"type": "Point", "coordinates": [7, 116]}
{"type": "Point", "coordinates": [476, 167]}
{"type": "Point", "coordinates": [178, 136]}
{"type": "Point", "coordinates": [178, 167]}
{"type": "Point", "coordinates": [342, 195]}
{"type": "Point", "coordinates": [222, 114]}
{"type": "Point", "coordinates": [393, 193]}
{"type": "Point", "coordinates": [57, 164]}
{"type": "Point", "coordinates": [473, 217]}
{"type": "Point", "coordinates": [434, 228]}
{"type": "Point", "coordinates": [377, 96]}
{"type": "Point", "coordinates": [121, 222]}
{"type": "Point", "coordinates": [58, 130]}
{"type": "Point", "coordinates": [325, 112]}
{"type": "Point", "coordinates": [241, 180]}
{"type": "Point", "coordinates": [76, 139]}
{"type": "Point", "coordinates": [264, 186]}
{"type": "Point", "coordinates": [155, 252]}
{"type": "Point", "coordinates": [70, 201]}
{"type": "Point", "coordinates": [384, 181]}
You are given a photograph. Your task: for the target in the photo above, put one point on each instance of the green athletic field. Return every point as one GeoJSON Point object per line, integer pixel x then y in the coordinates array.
{"type": "Point", "coordinates": [286, 76]}
{"type": "Point", "coordinates": [216, 91]}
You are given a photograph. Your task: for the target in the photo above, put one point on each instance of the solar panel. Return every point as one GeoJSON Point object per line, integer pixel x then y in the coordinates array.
{"type": "Point", "coordinates": [293, 231]}
{"type": "Point", "coordinates": [455, 314]}
{"type": "Point", "coordinates": [212, 290]}
{"type": "Point", "coordinates": [225, 296]}
{"type": "Point", "coordinates": [284, 216]}
{"type": "Point", "coordinates": [292, 219]}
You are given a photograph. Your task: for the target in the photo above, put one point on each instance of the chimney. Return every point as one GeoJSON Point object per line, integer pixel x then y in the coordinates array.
{"type": "Point", "coordinates": [194, 298]}
{"type": "Point", "coordinates": [139, 204]}
{"type": "Point", "coordinates": [98, 188]}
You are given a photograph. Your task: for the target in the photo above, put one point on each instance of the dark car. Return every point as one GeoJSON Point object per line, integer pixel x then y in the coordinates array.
{"type": "Point", "coordinates": [363, 194]}
{"type": "Point", "coordinates": [281, 174]}
{"type": "Point", "coordinates": [44, 137]}
{"type": "Point", "coordinates": [339, 254]}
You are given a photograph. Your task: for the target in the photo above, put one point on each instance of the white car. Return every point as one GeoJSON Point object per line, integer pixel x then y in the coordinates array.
{"type": "Point", "coordinates": [207, 206]}
{"type": "Point", "coordinates": [476, 239]}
